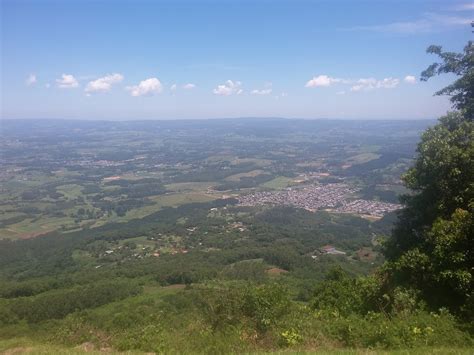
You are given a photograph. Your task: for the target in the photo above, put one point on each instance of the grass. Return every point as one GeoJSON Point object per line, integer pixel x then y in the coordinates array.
{"type": "Point", "coordinates": [70, 191]}
{"type": "Point", "coordinates": [189, 186]}
{"type": "Point", "coordinates": [83, 257]}
{"type": "Point", "coordinates": [199, 337]}
{"type": "Point", "coordinates": [160, 201]}
{"type": "Point", "coordinates": [235, 160]}
{"type": "Point", "coordinates": [139, 241]}
{"type": "Point", "coordinates": [178, 199]}
{"type": "Point", "coordinates": [31, 227]}
{"type": "Point", "coordinates": [370, 148]}
{"type": "Point", "coordinates": [362, 158]}
{"type": "Point", "coordinates": [7, 215]}
{"type": "Point", "coordinates": [428, 350]}
{"type": "Point", "coordinates": [188, 193]}
{"type": "Point", "coordinates": [29, 180]}
{"type": "Point", "coordinates": [311, 164]}
{"type": "Point", "coordinates": [23, 345]}
{"type": "Point", "coordinates": [237, 177]}
{"type": "Point", "coordinates": [140, 175]}
{"type": "Point", "coordinates": [278, 183]}
{"type": "Point", "coordinates": [27, 346]}
{"type": "Point", "coordinates": [9, 234]}
{"type": "Point", "coordinates": [256, 161]}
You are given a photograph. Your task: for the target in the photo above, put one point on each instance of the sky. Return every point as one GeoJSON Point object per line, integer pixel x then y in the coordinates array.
{"type": "Point", "coordinates": [125, 60]}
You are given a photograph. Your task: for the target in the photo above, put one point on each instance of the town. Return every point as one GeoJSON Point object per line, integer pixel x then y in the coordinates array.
{"type": "Point", "coordinates": [335, 197]}
{"type": "Point", "coordinates": [366, 207]}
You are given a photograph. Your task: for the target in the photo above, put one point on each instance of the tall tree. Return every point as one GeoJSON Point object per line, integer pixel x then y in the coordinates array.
{"type": "Point", "coordinates": [462, 65]}
{"type": "Point", "coordinates": [432, 246]}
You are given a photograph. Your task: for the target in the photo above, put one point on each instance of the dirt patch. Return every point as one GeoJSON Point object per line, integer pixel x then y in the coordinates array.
{"type": "Point", "coordinates": [175, 287]}
{"type": "Point", "coordinates": [366, 254]}
{"type": "Point", "coordinates": [87, 347]}
{"type": "Point", "coordinates": [274, 271]}
{"type": "Point", "coordinates": [32, 235]}
{"type": "Point", "coordinates": [370, 217]}
{"type": "Point", "coordinates": [19, 350]}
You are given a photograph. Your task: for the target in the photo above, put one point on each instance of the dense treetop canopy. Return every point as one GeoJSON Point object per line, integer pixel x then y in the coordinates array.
{"type": "Point", "coordinates": [431, 249]}
{"type": "Point", "coordinates": [461, 65]}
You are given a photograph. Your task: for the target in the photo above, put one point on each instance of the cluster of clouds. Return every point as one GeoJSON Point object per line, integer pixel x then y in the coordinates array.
{"type": "Point", "coordinates": [153, 86]}
{"type": "Point", "coordinates": [267, 90]}
{"type": "Point", "coordinates": [188, 86]}
{"type": "Point", "coordinates": [235, 88]}
{"type": "Point", "coordinates": [363, 84]}
{"type": "Point", "coordinates": [410, 79]}
{"type": "Point", "coordinates": [367, 84]}
{"type": "Point", "coordinates": [147, 87]}
{"type": "Point", "coordinates": [103, 84]}
{"type": "Point", "coordinates": [464, 7]}
{"type": "Point", "coordinates": [229, 88]}
{"type": "Point", "coordinates": [428, 22]}
{"type": "Point", "coordinates": [67, 81]}
{"type": "Point", "coordinates": [322, 81]}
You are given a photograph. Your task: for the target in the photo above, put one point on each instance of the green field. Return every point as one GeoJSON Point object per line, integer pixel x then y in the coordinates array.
{"type": "Point", "coordinates": [362, 158]}
{"type": "Point", "coordinates": [189, 186]}
{"type": "Point", "coordinates": [278, 183]}
{"type": "Point", "coordinates": [147, 245]}
{"type": "Point", "coordinates": [237, 177]}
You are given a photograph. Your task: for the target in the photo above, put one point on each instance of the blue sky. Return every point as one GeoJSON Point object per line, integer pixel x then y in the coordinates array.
{"type": "Point", "coordinates": [210, 59]}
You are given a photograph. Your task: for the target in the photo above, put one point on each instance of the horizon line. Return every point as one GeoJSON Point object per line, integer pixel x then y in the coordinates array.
{"type": "Point", "coordinates": [215, 118]}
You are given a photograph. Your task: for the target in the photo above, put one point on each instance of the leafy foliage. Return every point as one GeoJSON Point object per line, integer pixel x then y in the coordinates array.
{"type": "Point", "coordinates": [460, 64]}
{"type": "Point", "coordinates": [431, 249]}
{"type": "Point", "coordinates": [195, 278]}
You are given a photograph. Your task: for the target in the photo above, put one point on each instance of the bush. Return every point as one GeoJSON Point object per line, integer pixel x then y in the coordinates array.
{"type": "Point", "coordinates": [377, 330]}
{"type": "Point", "coordinates": [59, 303]}
{"type": "Point", "coordinates": [266, 305]}
{"type": "Point", "coordinates": [346, 295]}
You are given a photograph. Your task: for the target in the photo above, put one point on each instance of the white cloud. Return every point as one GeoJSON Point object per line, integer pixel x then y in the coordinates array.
{"type": "Point", "coordinates": [363, 84]}
{"type": "Point", "coordinates": [173, 87]}
{"type": "Point", "coordinates": [261, 92]}
{"type": "Point", "coordinates": [267, 90]}
{"type": "Point", "coordinates": [447, 20]}
{"type": "Point", "coordinates": [228, 88]}
{"type": "Point", "coordinates": [464, 7]}
{"type": "Point", "coordinates": [31, 80]}
{"type": "Point", "coordinates": [47, 85]}
{"type": "Point", "coordinates": [428, 23]}
{"type": "Point", "coordinates": [322, 81]}
{"type": "Point", "coordinates": [281, 95]}
{"type": "Point", "coordinates": [146, 87]}
{"type": "Point", "coordinates": [67, 81]}
{"type": "Point", "coordinates": [388, 83]}
{"type": "Point", "coordinates": [103, 84]}
{"type": "Point", "coordinates": [418, 26]}
{"type": "Point", "coordinates": [189, 86]}
{"type": "Point", "coordinates": [367, 84]}
{"type": "Point", "coordinates": [410, 79]}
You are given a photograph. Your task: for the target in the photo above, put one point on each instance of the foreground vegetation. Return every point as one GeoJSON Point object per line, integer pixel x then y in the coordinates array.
{"type": "Point", "coordinates": [214, 277]}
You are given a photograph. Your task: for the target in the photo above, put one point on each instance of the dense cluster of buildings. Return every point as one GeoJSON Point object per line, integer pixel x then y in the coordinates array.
{"type": "Point", "coordinates": [313, 197]}
{"type": "Point", "coordinates": [373, 208]}
{"type": "Point", "coordinates": [316, 197]}
{"type": "Point", "coordinates": [92, 163]}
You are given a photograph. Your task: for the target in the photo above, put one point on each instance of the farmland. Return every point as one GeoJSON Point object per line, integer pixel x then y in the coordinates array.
{"type": "Point", "coordinates": [86, 179]}
{"type": "Point", "coordinates": [172, 235]}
